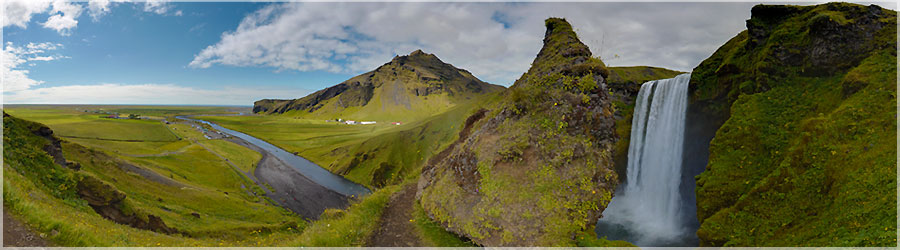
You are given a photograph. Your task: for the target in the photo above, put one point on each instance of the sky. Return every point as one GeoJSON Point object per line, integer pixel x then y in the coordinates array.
{"type": "Point", "coordinates": [233, 53]}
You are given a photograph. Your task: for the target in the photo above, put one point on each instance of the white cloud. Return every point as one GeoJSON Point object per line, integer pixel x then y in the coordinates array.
{"type": "Point", "coordinates": [14, 79]}
{"type": "Point", "coordinates": [110, 93]}
{"type": "Point", "coordinates": [356, 37]}
{"type": "Point", "coordinates": [14, 75]}
{"type": "Point", "coordinates": [64, 14]}
{"type": "Point", "coordinates": [98, 8]}
{"type": "Point", "coordinates": [497, 42]}
{"type": "Point", "coordinates": [160, 7]}
{"type": "Point", "coordinates": [46, 58]}
{"type": "Point", "coordinates": [19, 12]}
{"type": "Point", "coordinates": [62, 17]}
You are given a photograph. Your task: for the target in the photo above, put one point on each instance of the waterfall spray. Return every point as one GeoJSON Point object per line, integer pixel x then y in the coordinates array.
{"type": "Point", "coordinates": [647, 208]}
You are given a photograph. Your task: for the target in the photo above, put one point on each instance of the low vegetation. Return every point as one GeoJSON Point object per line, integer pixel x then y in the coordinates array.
{"type": "Point", "coordinates": [350, 227]}
{"type": "Point", "coordinates": [807, 155]}
{"type": "Point", "coordinates": [533, 168]}
{"type": "Point", "coordinates": [206, 201]}
{"type": "Point", "coordinates": [375, 155]}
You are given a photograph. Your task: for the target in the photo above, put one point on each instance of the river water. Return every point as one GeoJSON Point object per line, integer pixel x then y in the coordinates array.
{"type": "Point", "coordinates": [309, 169]}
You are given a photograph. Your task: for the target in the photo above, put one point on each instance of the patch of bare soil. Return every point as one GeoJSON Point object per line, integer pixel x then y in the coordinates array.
{"type": "Point", "coordinates": [396, 228]}
{"type": "Point", "coordinates": [17, 234]}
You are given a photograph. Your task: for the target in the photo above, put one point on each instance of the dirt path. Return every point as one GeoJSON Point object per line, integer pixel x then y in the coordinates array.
{"type": "Point", "coordinates": [16, 234]}
{"type": "Point", "coordinates": [396, 228]}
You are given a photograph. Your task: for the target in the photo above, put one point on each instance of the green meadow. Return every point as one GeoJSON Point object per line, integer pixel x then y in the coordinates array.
{"type": "Point", "coordinates": [207, 200]}
{"type": "Point", "coordinates": [375, 155]}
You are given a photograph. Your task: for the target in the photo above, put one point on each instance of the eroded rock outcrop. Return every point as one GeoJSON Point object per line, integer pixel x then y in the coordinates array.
{"type": "Point", "coordinates": [110, 203]}
{"type": "Point", "coordinates": [534, 169]}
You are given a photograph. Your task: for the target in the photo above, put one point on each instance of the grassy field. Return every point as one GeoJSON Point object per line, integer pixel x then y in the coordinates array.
{"type": "Point", "coordinates": [230, 212]}
{"type": "Point", "coordinates": [378, 156]}
{"type": "Point", "coordinates": [374, 155]}
{"type": "Point", "coordinates": [211, 205]}
{"type": "Point", "coordinates": [244, 158]}
{"type": "Point", "coordinates": [72, 123]}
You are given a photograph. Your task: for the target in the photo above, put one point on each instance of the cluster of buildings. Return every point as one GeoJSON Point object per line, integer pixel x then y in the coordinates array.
{"type": "Point", "coordinates": [114, 115]}
{"type": "Point", "coordinates": [352, 122]}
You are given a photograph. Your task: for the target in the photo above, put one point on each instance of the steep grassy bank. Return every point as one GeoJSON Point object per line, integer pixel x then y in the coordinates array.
{"type": "Point", "coordinates": [805, 155]}
{"type": "Point", "coordinates": [350, 227]}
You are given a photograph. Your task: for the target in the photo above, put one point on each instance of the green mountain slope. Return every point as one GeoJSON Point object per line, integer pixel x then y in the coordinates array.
{"type": "Point", "coordinates": [805, 155]}
{"type": "Point", "coordinates": [533, 168]}
{"type": "Point", "coordinates": [405, 89]}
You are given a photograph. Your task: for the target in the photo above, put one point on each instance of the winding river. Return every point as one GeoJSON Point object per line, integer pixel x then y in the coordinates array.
{"type": "Point", "coordinates": [309, 169]}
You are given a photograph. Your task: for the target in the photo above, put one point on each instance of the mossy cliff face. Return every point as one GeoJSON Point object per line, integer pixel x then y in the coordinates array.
{"type": "Point", "coordinates": [535, 167]}
{"type": "Point", "coordinates": [408, 87]}
{"type": "Point", "coordinates": [805, 155]}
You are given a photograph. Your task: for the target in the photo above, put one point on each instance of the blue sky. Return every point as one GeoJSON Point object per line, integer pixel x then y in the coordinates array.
{"type": "Point", "coordinates": [232, 53]}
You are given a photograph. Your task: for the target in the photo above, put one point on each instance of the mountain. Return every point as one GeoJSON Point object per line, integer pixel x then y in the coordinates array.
{"type": "Point", "coordinates": [407, 88]}
{"type": "Point", "coordinates": [535, 167]}
{"type": "Point", "coordinates": [802, 113]}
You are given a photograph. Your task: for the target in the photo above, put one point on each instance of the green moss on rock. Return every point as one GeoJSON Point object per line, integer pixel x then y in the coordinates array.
{"type": "Point", "coordinates": [805, 155]}
{"type": "Point", "coordinates": [534, 169]}
{"type": "Point", "coordinates": [25, 149]}
{"type": "Point", "coordinates": [97, 192]}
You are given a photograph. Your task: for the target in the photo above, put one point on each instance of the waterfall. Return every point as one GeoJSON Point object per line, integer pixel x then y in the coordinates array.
{"type": "Point", "coordinates": [646, 211]}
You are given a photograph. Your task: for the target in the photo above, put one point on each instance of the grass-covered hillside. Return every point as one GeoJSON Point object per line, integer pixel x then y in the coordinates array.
{"type": "Point", "coordinates": [806, 155]}
{"type": "Point", "coordinates": [134, 193]}
{"type": "Point", "coordinates": [406, 89]}
{"type": "Point", "coordinates": [533, 168]}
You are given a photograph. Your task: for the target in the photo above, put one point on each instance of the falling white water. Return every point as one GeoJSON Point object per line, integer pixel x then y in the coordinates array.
{"type": "Point", "coordinates": [647, 209]}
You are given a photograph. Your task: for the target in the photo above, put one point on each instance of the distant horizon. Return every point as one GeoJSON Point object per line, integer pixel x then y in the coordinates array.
{"type": "Point", "coordinates": [94, 104]}
{"type": "Point", "coordinates": [235, 53]}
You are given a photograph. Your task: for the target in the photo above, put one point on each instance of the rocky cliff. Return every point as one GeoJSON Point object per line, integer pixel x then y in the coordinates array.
{"type": "Point", "coordinates": [534, 168]}
{"type": "Point", "coordinates": [803, 109]}
{"type": "Point", "coordinates": [412, 86]}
